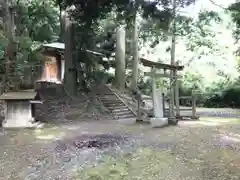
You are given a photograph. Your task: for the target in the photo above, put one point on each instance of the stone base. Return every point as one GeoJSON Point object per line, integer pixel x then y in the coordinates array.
{"type": "Point", "coordinates": [188, 117]}
{"type": "Point", "coordinates": [159, 122]}
{"type": "Point", "coordinates": [172, 121]}
{"type": "Point", "coordinates": [143, 121]}
{"type": "Point", "coordinates": [195, 117]}
{"type": "Point", "coordinates": [29, 125]}
{"type": "Point", "coordinates": [139, 120]}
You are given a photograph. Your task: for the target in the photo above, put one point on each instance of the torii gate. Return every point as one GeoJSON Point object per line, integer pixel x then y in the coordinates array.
{"type": "Point", "coordinates": [157, 97]}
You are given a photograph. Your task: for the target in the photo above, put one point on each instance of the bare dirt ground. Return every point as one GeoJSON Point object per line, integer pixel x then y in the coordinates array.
{"type": "Point", "coordinates": [123, 151]}
{"type": "Point", "coordinates": [76, 144]}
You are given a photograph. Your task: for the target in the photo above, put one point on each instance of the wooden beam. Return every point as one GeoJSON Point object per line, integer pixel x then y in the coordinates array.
{"type": "Point", "coordinates": [158, 65]}
{"type": "Point", "coordinates": [181, 97]}
{"type": "Point", "coordinates": [160, 75]}
{"type": "Point", "coordinates": [183, 109]}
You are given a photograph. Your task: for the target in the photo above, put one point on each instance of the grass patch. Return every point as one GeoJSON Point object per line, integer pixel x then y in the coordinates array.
{"type": "Point", "coordinates": [143, 164]}
{"type": "Point", "coordinates": [224, 160]}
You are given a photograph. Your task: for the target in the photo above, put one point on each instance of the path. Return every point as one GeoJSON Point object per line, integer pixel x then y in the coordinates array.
{"type": "Point", "coordinates": [217, 112]}
{"type": "Point", "coordinates": [187, 151]}
{"type": "Point", "coordinates": [208, 112]}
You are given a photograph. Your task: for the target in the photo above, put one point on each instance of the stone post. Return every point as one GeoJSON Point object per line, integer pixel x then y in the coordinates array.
{"type": "Point", "coordinates": [159, 99]}
{"type": "Point", "coordinates": [194, 116]}
{"type": "Point", "coordinates": [120, 59]}
{"type": "Point", "coordinates": [158, 120]}
{"type": "Point", "coordinates": [177, 98]}
{"type": "Point", "coordinates": [154, 93]}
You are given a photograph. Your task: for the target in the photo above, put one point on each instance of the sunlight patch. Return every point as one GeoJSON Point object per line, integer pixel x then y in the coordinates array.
{"type": "Point", "coordinates": [49, 134]}
{"type": "Point", "coordinates": [200, 123]}
{"type": "Point", "coordinates": [230, 138]}
{"type": "Point", "coordinates": [221, 120]}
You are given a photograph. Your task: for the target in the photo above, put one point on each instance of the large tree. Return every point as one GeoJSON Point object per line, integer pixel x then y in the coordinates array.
{"type": "Point", "coordinates": [87, 16]}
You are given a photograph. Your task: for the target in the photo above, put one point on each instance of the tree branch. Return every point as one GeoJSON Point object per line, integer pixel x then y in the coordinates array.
{"type": "Point", "coordinates": [218, 5]}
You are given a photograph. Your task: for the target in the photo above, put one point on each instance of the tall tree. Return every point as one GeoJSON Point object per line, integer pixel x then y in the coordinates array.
{"type": "Point", "coordinates": [61, 19]}
{"type": "Point", "coordinates": [87, 16]}
{"type": "Point", "coordinates": [133, 12]}
{"type": "Point", "coordinates": [173, 80]}
{"type": "Point", "coordinates": [11, 78]}
{"type": "Point", "coordinates": [70, 67]}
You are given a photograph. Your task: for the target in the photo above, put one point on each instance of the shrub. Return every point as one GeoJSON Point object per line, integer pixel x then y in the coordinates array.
{"type": "Point", "coordinates": [222, 93]}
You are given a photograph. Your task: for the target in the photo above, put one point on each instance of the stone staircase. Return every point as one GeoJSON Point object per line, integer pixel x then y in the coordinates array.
{"type": "Point", "coordinates": [114, 103]}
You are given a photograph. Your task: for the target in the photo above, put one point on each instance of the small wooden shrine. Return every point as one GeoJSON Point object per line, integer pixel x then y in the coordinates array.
{"type": "Point", "coordinates": [53, 63]}
{"type": "Point", "coordinates": [20, 108]}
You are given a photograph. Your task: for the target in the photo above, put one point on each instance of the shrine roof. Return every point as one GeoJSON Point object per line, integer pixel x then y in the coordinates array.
{"type": "Point", "coordinates": [145, 62]}
{"type": "Point", "coordinates": [19, 95]}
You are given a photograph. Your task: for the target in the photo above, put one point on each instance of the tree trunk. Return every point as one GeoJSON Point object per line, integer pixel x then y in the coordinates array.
{"type": "Point", "coordinates": [70, 70]}
{"type": "Point", "coordinates": [173, 73]}
{"type": "Point", "coordinates": [120, 59]}
{"type": "Point", "coordinates": [11, 79]}
{"type": "Point", "coordinates": [61, 20]}
{"type": "Point", "coordinates": [135, 54]}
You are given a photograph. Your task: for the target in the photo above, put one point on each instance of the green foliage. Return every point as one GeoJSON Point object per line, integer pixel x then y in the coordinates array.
{"type": "Point", "coordinates": [234, 8]}
{"type": "Point", "coordinates": [229, 97]}
{"type": "Point", "coordinates": [192, 81]}
{"type": "Point", "coordinates": [199, 32]}
{"type": "Point", "coordinates": [215, 46]}
{"type": "Point", "coordinates": [223, 93]}
{"type": "Point", "coordinates": [38, 19]}
{"type": "Point", "coordinates": [36, 22]}
{"type": "Point", "coordinates": [102, 77]}
{"type": "Point", "coordinates": [235, 11]}
{"type": "Point", "coordinates": [205, 46]}
{"type": "Point", "coordinates": [3, 43]}
{"type": "Point", "coordinates": [88, 16]}
{"type": "Point", "coordinates": [145, 86]}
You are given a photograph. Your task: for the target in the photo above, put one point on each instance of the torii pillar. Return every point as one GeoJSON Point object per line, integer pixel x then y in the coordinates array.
{"type": "Point", "coordinates": [158, 120]}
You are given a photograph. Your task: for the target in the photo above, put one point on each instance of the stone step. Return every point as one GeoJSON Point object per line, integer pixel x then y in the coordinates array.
{"type": "Point", "coordinates": [115, 107]}
{"type": "Point", "coordinates": [122, 113]}
{"type": "Point", "coordinates": [125, 116]}
{"type": "Point", "coordinates": [112, 102]}
{"type": "Point", "coordinates": [103, 89]}
{"type": "Point", "coordinates": [121, 109]}
{"type": "Point", "coordinates": [104, 92]}
{"type": "Point", "coordinates": [111, 108]}
{"type": "Point", "coordinates": [107, 96]}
